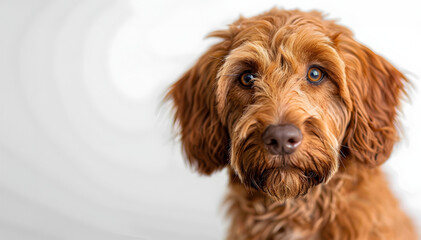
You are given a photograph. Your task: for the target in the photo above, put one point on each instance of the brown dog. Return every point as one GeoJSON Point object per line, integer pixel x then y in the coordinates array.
{"type": "Point", "coordinates": [302, 115]}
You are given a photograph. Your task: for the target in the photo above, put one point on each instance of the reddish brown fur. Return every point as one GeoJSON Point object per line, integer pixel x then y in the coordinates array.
{"type": "Point", "coordinates": [330, 187]}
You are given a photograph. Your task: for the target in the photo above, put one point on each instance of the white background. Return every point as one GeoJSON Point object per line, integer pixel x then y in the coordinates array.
{"type": "Point", "coordinates": [86, 147]}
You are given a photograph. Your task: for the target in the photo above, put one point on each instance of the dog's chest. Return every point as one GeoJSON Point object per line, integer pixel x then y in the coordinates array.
{"type": "Point", "coordinates": [261, 218]}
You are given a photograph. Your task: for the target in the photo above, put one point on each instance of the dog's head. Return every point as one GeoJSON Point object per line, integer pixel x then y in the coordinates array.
{"type": "Point", "coordinates": [283, 99]}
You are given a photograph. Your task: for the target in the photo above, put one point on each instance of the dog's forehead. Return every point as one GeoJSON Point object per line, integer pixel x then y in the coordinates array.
{"type": "Point", "coordinates": [297, 39]}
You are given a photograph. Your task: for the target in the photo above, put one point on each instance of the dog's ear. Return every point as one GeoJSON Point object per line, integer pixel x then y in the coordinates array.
{"type": "Point", "coordinates": [204, 139]}
{"type": "Point", "coordinates": [375, 87]}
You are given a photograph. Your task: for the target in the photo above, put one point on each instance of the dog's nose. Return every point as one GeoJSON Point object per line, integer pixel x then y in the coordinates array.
{"type": "Point", "coordinates": [282, 139]}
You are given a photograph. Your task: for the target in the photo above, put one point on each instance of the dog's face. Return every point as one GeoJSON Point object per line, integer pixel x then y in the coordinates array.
{"type": "Point", "coordinates": [282, 95]}
{"type": "Point", "coordinates": [283, 99]}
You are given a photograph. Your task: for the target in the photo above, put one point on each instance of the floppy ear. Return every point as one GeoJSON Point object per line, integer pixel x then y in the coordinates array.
{"type": "Point", "coordinates": [375, 87]}
{"type": "Point", "coordinates": [204, 139]}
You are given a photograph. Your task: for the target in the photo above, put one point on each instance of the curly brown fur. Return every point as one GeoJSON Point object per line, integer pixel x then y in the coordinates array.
{"type": "Point", "coordinates": [330, 187]}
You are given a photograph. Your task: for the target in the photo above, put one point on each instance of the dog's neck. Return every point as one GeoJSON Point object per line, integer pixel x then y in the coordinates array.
{"type": "Point", "coordinates": [304, 217]}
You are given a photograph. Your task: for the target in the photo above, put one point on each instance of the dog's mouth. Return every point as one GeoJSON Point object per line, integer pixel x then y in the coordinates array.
{"type": "Point", "coordinates": [285, 176]}
{"type": "Point", "coordinates": [280, 182]}
{"type": "Point", "coordinates": [282, 177]}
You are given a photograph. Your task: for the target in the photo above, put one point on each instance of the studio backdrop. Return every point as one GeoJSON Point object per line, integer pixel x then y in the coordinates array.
{"type": "Point", "coordinates": [87, 149]}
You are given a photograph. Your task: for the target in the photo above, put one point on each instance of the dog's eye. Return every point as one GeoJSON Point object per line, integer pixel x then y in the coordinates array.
{"type": "Point", "coordinates": [315, 75]}
{"type": "Point", "coordinates": [247, 79]}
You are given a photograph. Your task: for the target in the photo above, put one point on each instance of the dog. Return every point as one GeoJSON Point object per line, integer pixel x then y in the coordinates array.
{"type": "Point", "coordinates": [302, 115]}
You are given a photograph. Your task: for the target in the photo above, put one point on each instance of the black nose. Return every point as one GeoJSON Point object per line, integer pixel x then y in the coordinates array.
{"type": "Point", "coordinates": [282, 139]}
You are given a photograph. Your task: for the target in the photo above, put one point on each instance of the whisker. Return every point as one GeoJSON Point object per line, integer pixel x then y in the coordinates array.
{"type": "Point", "coordinates": [347, 147]}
